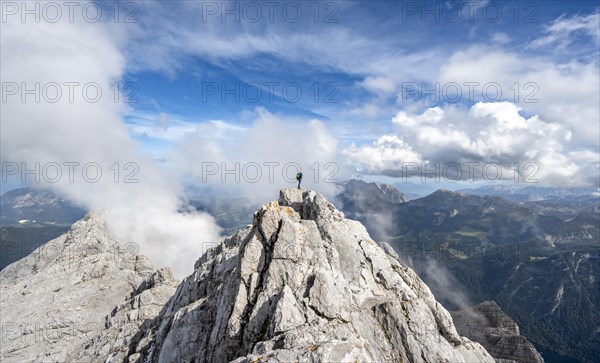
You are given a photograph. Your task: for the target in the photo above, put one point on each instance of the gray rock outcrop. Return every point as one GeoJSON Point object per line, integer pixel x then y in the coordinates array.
{"type": "Point", "coordinates": [487, 324]}
{"type": "Point", "coordinates": [55, 302]}
{"type": "Point", "coordinates": [302, 283]}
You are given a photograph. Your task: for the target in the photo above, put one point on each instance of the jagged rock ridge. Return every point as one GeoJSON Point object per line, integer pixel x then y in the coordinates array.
{"type": "Point", "coordinates": [302, 283]}
{"type": "Point", "coordinates": [497, 332]}
{"type": "Point", "coordinates": [56, 302]}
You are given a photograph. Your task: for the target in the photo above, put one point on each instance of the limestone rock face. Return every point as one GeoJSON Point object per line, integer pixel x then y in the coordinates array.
{"type": "Point", "coordinates": [55, 301]}
{"type": "Point", "coordinates": [497, 332]}
{"type": "Point", "coordinates": [123, 325]}
{"type": "Point", "coordinates": [302, 283]}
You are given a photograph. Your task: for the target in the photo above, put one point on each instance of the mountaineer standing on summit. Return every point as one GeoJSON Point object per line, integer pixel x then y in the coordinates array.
{"type": "Point", "coordinates": [299, 178]}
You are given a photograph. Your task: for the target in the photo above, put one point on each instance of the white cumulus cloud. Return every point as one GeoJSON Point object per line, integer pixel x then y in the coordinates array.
{"type": "Point", "coordinates": [91, 131]}
{"type": "Point", "coordinates": [261, 159]}
{"type": "Point", "coordinates": [494, 133]}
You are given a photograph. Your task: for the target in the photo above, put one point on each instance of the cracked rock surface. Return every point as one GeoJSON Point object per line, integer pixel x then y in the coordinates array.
{"type": "Point", "coordinates": [302, 283]}
{"type": "Point", "coordinates": [487, 324]}
{"type": "Point", "coordinates": [56, 303]}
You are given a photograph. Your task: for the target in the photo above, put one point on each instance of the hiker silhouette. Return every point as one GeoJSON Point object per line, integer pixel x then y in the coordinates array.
{"type": "Point", "coordinates": [299, 178]}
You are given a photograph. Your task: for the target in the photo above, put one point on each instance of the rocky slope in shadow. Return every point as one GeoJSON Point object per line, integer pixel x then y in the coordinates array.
{"type": "Point", "coordinates": [487, 324]}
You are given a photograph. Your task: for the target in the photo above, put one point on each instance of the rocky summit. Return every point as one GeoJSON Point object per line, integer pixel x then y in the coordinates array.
{"type": "Point", "coordinates": [302, 283]}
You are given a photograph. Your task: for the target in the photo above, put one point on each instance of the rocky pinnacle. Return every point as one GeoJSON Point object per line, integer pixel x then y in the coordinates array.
{"type": "Point", "coordinates": [302, 283]}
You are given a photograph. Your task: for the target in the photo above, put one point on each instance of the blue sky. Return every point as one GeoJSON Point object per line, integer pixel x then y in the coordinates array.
{"type": "Point", "coordinates": [361, 63]}
{"type": "Point", "coordinates": [341, 82]}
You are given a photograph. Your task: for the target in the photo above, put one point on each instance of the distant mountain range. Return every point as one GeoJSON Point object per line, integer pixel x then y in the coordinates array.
{"type": "Point", "coordinates": [526, 193]}
{"type": "Point", "coordinates": [29, 218]}
{"type": "Point", "coordinates": [30, 207]}
{"type": "Point", "coordinates": [538, 260]}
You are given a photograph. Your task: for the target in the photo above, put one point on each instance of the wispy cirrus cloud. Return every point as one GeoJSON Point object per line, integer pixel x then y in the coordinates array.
{"type": "Point", "coordinates": [564, 31]}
